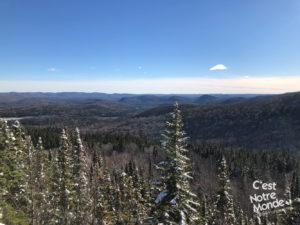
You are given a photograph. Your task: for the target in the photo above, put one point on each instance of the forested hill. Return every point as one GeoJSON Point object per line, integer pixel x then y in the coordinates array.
{"type": "Point", "coordinates": [260, 123]}
{"type": "Point", "coordinates": [253, 122]}
{"type": "Point", "coordinates": [109, 179]}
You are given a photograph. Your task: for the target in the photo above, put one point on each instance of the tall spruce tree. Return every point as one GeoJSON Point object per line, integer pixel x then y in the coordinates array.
{"type": "Point", "coordinates": [82, 202]}
{"type": "Point", "coordinates": [224, 209]}
{"type": "Point", "coordinates": [54, 194]}
{"type": "Point", "coordinates": [61, 196]}
{"type": "Point", "coordinates": [139, 192]}
{"type": "Point", "coordinates": [12, 176]}
{"type": "Point", "coordinates": [19, 157]}
{"type": "Point", "coordinates": [29, 180]}
{"type": "Point", "coordinates": [126, 200]}
{"type": "Point", "coordinates": [108, 201]}
{"type": "Point", "coordinates": [96, 172]}
{"type": "Point", "coordinates": [8, 167]}
{"type": "Point", "coordinates": [142, 190]}
{"type": "Point", "coordinates": [176, 203]}
{"type": "Point", "coordinates": [41, 185]}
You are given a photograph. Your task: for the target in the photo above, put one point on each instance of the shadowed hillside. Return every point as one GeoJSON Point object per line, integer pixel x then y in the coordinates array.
{"type": "Point", "coordinates": [262, 122]}
{"type": "Point", "coordinates": [268, 122]}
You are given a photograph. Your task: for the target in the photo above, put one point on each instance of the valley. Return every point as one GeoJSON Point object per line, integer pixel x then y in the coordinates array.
{"type": "Point", "coordinates": [242, 121]}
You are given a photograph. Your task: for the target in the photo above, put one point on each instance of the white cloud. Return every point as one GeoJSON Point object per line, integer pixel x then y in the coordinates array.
{"type": "Point", "coordinates": [218, 67]}
{"type": "Point", "coordinates": [52, 69]}
{"type": "Point", "coordinates": [190, 85]}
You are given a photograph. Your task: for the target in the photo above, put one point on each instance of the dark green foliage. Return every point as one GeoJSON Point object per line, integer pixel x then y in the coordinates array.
{"type": "Point", "coordinates": [64, 179]}
{"type": "Point", "coordinates": [80, 188]}
{"type": "Point", "coordinates": [33, 185]}
{"type": "Point", "coordinates": [223, 207]}
{"type": "Point", "coordinates": [295, 186]}
{"type": "Point", "coordinates": [175, 202]}
{"type": "Point", "coordinates": [292, 216]}
{"type": "Point", "coordinates": [12, 216]}
{"type": "Point", "coordinates": [49, 135]}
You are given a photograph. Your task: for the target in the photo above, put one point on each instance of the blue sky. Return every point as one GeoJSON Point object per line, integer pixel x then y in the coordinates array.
{"type": "Point", "coordinates": [120, 44]}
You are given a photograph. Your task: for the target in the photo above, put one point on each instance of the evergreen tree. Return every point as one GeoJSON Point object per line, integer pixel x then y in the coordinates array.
{"type": "Point", "coordinates": [41, 185]}
{"type": "Point", "coordinates": [292, 216]}
{"type": "Point", "coordinates": [107, 198]}
{"type": "Point", "coordinates": [19, 157]}
{"type": "Point", "coordinates": [11, 216]}
{"type": "Point", "coordinates": [142, 194]}
{"type": "Point", "coordinates": [29, 181]}
{"type": "Point", "coordinates": [204, 211]}
{"type": "Point", "coordinates": [257, 220]}
{"type": "Point", "coordinates": [8, 166]}
{"type": "Point", "coordinates": [54, 194]}
{"type": "Point", "coordinates": [96, 192]}
{"type": "Point", "coordinates": [241, 218]}
{"type": "Point", "coordinates": [224, 209]}
{"type": "Point", "coordinates": [12, 177]}
{"type": "Point", "coordinates": [295, 186]}
{"type": "Point", "coordinates": [207, 213]}
{"type": "Point", "coordinates": [126, 206]}
{"type": "Point", "coordinates": [61, 198]}
{"type": "Point", "coordinates": [176, 203]}
{"type": "Point", "coordinates": [287, 191]}
{"type": "Point", "coordinates": [139, 192]}
{"type": "Point", "coordinates": [82, 203]}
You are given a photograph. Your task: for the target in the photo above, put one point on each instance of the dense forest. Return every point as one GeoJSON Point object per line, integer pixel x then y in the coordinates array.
{"type": "Point", "coordinates": [56, 175]}
{"type": "Point", "coordinates": [239, 121]}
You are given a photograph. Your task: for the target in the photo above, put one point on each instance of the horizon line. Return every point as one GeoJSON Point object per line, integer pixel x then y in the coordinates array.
{"type": "Point", "coordinates": [250, 85]}
{"type": "Point", "coordinates": [129, 93]}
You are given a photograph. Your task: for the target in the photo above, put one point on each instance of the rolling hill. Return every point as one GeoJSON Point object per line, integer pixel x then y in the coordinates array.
{"type": "Point", "coordinates": [261, 122]}
{"type": "Point", "coordinates": [269, 122]}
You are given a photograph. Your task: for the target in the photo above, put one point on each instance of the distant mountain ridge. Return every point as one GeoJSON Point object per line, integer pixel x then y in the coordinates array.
{"type": "Point", "coordinates": [206, 99]}
{"type": "Point", "coordinates": [152, 100]}
{"type": "Point", "coordinates": [19, 99]}
{"type": "Point", "coordinates": [254, 122]}
{"type": "Point", "coordinates": [263, 122]}
{"type": "Point", "coordinates": [146, 101]}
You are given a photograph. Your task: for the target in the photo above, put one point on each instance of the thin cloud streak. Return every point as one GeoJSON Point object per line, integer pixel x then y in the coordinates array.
{"type": "Point", "coordinates": [259, 85]}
